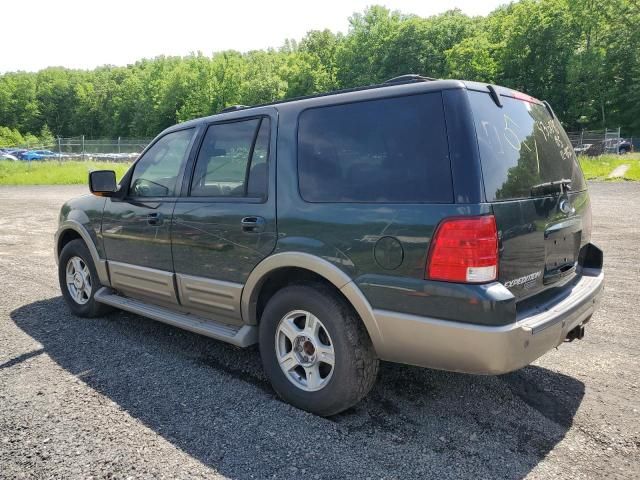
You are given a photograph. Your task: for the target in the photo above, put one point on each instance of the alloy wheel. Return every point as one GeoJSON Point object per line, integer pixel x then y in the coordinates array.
{"type": "Point", "coordinates": [304, 350]}
{"type": "Point", "coordinates": [78, 280]}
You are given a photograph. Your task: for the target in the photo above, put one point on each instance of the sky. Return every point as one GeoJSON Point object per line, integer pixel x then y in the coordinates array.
{"type": "Point", "coordinates": [85, 34]}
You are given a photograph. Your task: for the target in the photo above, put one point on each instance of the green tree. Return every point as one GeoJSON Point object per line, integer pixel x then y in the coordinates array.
{"type": "Point", "coordinates": [535, 42]}
{"type": "Point", "coordinates": [473, 59]}
{"type": "Point", "coordinates": [361, 55]}
{"type": "Point", "coordinates": [583, 56]}
{"type": "Point", "coordinates": [10, 137]}
{"type": "Point", "coordinates": [46, 137]}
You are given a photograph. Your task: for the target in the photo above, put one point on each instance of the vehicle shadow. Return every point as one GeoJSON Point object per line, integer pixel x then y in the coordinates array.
{"type": "Point", "coordinates": [212, 401]}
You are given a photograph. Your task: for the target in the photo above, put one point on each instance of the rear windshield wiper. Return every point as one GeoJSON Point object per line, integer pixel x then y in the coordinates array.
{"type": "Point", "coordinates": [549, 188]}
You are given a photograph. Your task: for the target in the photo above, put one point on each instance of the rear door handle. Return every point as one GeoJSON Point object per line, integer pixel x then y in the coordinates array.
{"type": "Point", "coordinates": [155, 218]}
{"type": "Point", "coordinates": [253, 224]}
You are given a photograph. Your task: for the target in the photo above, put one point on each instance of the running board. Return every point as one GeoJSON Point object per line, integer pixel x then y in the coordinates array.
{"type": "Point", "coordinates": [241, 336]}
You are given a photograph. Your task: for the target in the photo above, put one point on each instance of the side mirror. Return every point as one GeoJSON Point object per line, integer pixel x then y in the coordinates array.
{"type": "Point", "coordinates": [103, 183]}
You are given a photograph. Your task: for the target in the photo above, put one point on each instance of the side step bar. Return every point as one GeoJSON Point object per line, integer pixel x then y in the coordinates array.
{"type": "Point", "coordinates": [240, 336]}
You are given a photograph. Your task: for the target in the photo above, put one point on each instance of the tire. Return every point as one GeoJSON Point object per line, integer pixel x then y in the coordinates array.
{"type": "Point", "coordinates": [355, 364]}
{"type": "Point", "coordinates": [84, 305]}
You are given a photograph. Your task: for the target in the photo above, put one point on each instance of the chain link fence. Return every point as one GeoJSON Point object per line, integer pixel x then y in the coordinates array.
{"type": "Point", "coordinates": [80, 148]}
{"type": "Point", "coordinates": [120, 149]}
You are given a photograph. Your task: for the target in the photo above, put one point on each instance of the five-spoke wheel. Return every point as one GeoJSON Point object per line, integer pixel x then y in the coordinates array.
{"type": "Point", "coordinates": [315, 349]}
{"type": "Point", "coordinates": [304, 349]}
{"type": "Point", "coordinates": [78, 280]}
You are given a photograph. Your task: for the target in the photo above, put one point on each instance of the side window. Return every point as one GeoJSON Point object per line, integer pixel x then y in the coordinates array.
{"type": "Point", "coordinates": [233, 160]}
{"type": "Point", "coordinates": [156, 173]}
{"type": "Point", "coordinates": [258, 170]}
{"type": "Point", "coordinates": [387, 150]}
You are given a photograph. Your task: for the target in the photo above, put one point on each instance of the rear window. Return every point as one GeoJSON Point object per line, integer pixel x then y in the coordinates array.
{"type": "Point", "coordinates": [389, 150]}
{"type": "Point", "coordinates": [521, 145]}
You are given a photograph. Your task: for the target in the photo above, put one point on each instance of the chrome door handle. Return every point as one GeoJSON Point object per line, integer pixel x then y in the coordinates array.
{"type": "Point", "coordinates": [253, 224]}
{"type": "Point", "coordinates": [155, 218]}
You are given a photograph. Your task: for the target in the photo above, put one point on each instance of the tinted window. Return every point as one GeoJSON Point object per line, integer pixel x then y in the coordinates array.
{"type": "Point", "coordinates": [156, 173]}
{"type": "Point", "coordinates": [227, 165]}
{"type": "Point", "coordinates": [390, 150]}
{"type": "Point", "coordinates": [257, 186]}
{"type": "Point", "coordinates": [521, 145]}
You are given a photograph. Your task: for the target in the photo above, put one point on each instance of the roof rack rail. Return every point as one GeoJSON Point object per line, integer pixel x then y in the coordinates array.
{"type": "Point", "coordinates": [233, 108]}
{"type": "Point", "coordinates": [412, 77]}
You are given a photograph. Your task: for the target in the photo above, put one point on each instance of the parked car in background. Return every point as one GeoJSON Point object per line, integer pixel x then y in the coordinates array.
{"type": "Point", "coordinates": [38, 155]}
{"type": "Point", "coordinates": [443, 224]}
{"type": "Point", "coordinates": [624, 146]}
{"type": "Point", "coordinates": [620, 146]}
{"type": "Point", "coordinates": [114, 157]}
{"type": "Point", "coordinates": [16, 152]}
{"type": "Point", "coordinates": [582, 149]}
{"type": "Point", "coordinates": [8, 156]}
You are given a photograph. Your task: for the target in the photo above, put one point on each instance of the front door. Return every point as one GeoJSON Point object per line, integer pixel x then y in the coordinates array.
{"type": "Point", "coordinates": [226, 223]}
{"type": "Point", "coordinates": [136, 229]}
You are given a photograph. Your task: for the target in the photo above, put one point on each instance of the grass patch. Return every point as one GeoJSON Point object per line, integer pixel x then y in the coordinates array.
{"type": "Point", "coordinates": [599, 168]}
{"type": "Point", "coordinates": [54, 172]}
{"type": "Point", "coordinates": [76, 172]}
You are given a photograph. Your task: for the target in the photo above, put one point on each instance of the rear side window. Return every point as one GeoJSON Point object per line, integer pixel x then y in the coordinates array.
{"type": "Point", "coordinates": [521, 146]}
{"type": "Point", "coordinates": [389, 150]}
{"type": "Point", "coordinates": [232, 161]}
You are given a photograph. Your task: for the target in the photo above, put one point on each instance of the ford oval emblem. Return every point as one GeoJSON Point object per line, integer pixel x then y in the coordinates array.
{"type": "Point", "coordinates": [566, 207]}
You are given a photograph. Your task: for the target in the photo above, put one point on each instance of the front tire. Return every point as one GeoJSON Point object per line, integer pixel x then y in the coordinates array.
{"type": "Point", "coordinates": [315, 350]}
{"type": "Point", "coordinates": [79, 280]}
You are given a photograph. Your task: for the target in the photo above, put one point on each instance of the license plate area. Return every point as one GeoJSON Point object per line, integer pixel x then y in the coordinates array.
{"type": "Point", "coordinates": [561, 253]}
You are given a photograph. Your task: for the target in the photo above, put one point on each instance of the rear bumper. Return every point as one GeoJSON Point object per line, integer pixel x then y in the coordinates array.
{"type": "Point", "coordinates": [479, 349]}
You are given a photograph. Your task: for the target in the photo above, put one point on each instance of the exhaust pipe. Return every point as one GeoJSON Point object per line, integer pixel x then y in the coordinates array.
{"type": "Point", "coordinates": [576, 334]}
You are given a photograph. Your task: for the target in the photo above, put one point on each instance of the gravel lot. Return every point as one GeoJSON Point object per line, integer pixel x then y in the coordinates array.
{"type": "Point", "coordinates": [122, 396]}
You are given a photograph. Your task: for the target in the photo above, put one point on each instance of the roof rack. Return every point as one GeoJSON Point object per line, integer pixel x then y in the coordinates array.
{"type": "Point", "coordinates": [411, 77]}
{"type": "Point", "coordinates": [233, 108]}
{"type": "Point", "coordinates": [402, 79]}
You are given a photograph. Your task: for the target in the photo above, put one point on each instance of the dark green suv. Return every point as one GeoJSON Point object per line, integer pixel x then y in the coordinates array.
{"type": "Point", "coordinates": [444, 224]}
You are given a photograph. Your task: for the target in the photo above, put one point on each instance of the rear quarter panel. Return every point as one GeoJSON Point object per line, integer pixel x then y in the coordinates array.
{"type": "Point", "coordinates": [384, 247]}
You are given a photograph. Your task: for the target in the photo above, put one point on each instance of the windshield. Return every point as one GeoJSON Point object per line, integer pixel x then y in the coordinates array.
{"type": "Point", "coordinates": [521, 146]}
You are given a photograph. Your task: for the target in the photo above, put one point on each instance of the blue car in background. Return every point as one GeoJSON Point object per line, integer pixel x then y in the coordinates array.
{"type": "Point", "coordinates": [38, 155]}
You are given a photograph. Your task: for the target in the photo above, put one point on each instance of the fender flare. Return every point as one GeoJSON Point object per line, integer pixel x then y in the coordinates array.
{"type": "Point", "coordinates": [101, 264]}
{"type": "Point", "coordinates": [325, 269]}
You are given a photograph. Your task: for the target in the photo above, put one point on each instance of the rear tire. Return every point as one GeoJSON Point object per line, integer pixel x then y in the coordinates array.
{"type": "Point", "coordinates": [79, 280]}
{"type": "Point", "coordinates": [324, 372]}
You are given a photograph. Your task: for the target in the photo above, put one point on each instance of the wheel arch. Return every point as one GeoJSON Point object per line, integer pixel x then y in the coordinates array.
{"type": "Point", "coordinates": [71, 230]}
{"type": "Point", "coordinates": [65, 237]}
{"type": "Point", "coordinates": [303, 266]}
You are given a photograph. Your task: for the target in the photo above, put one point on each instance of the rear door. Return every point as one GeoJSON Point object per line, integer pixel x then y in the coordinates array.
{"type": "Point", "coordinates": [536, 188]}
{"type": "Point", "coordinates": [226, 222]}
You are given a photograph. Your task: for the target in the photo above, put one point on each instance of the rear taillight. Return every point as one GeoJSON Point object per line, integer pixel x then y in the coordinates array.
{"type": "Point", "coordinates": [465, 250]}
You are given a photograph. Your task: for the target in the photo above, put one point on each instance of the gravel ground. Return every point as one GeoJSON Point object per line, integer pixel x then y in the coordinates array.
{"type": "Point", "coordinates": [122, 396]}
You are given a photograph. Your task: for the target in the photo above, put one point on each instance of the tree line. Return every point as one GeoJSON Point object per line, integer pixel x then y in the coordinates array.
{"type": "Point", "coordinates": [583, 56]}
